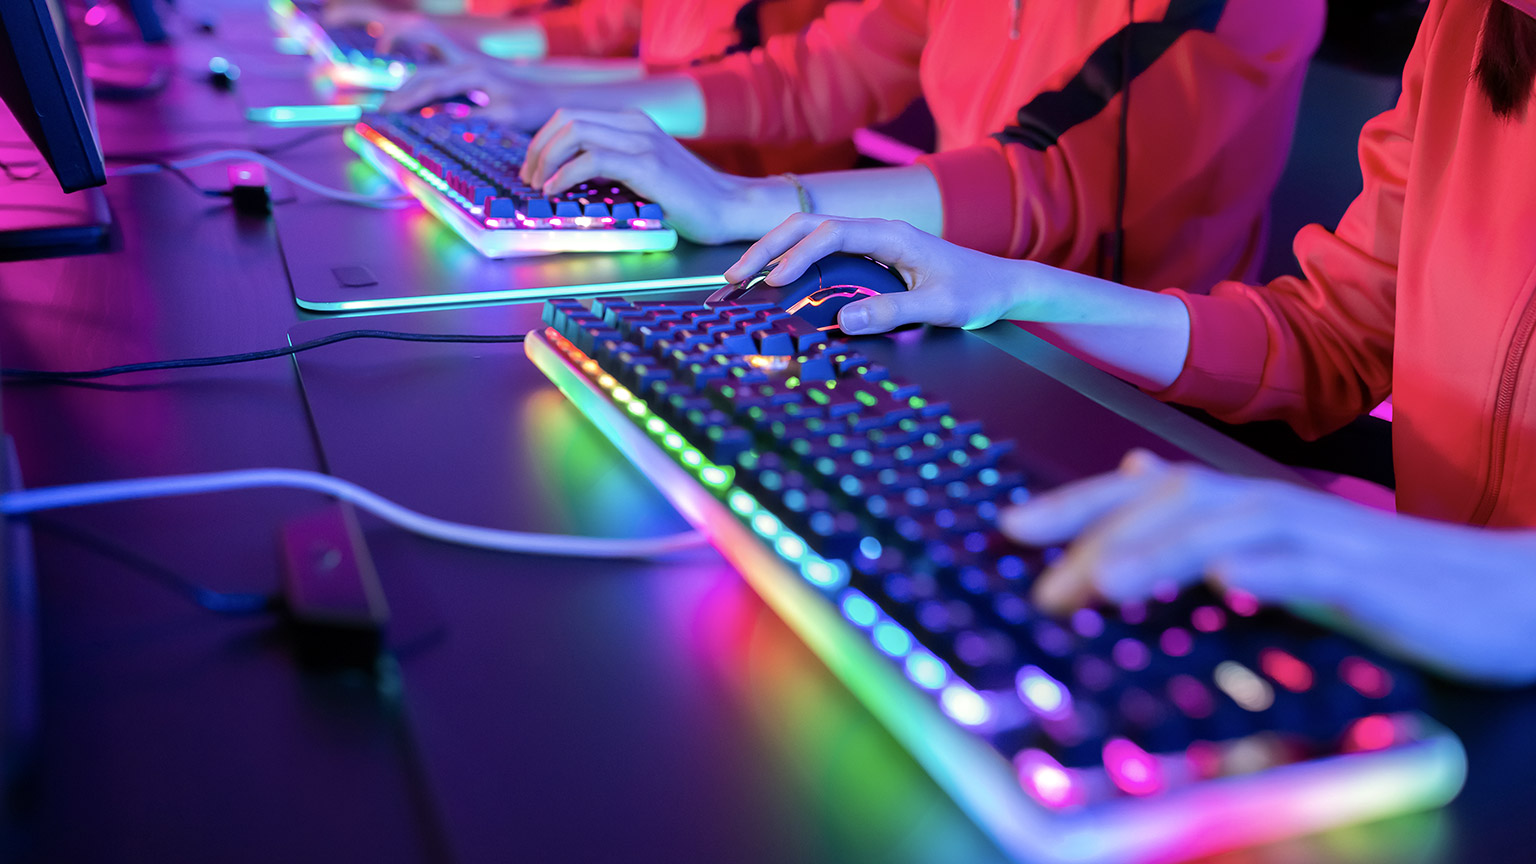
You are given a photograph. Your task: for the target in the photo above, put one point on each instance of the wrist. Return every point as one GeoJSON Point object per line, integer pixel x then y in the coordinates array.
{"type": "Point", "coordinates": [757, 205]}
{"type": "Point", "coordinates": [1033, 293]}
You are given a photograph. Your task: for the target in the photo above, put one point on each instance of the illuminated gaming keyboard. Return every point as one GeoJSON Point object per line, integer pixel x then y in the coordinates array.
{"type": "Point", "coordinates": [863, 510]}
{"type": "Point", "coordinates": [346, 52]}
{"type": "Point", "coordinates": [465, 170]}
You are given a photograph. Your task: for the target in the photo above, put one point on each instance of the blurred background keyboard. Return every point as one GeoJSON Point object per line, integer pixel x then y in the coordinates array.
{"type": "Point", "coordinates": [864, 510]}
{"type": "Point", "coordinates": [465, 170]}
{"type": "Point", "coordinates": [347, 53]}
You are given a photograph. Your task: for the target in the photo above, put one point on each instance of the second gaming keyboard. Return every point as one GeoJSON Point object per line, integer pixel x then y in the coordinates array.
{"type": "Point", "coordinates": [465, 170]}
{"type": "Point", "coordinates": [348, 54]}
{"type": "Point", "coordinates": [864, 510]}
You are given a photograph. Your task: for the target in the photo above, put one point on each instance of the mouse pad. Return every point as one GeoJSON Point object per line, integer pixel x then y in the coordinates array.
{"type": "Point", "coordinates": [346, 258]}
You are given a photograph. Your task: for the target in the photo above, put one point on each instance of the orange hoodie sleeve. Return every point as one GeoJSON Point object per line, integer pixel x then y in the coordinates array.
{"type": "Point", "coordinates": [592, 28]}
{"type": "Point", "coordinates": [856, 65]}
{"type": "Point", "coordinates": [1316, 351]}
{"type": "Point", "coordinates": [1208, 80]}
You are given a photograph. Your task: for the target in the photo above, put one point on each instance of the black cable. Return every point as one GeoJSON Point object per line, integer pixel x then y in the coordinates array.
{"type": "Point", "coordinates": [270, 353]}
{"type": "Point", "coordinates": [224, 603]}
{"type": "Point", "coordinates": [186, 178]}
{"type": "Point", "coordinates": [1122, 162]}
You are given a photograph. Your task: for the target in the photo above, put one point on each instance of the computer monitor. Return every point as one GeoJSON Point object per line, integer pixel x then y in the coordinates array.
{"type": "Point", "coordinates": [148, 18]}
{"type": "Point", "coordinates": [42, 83]}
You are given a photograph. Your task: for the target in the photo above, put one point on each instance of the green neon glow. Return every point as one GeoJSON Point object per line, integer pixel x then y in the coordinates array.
{"type": "Point", "coordinates": [302, 115]}
{"type": "Point", "coordinates": [1302, 798]}
{"type": "Point", "coordinates": [514, 43]}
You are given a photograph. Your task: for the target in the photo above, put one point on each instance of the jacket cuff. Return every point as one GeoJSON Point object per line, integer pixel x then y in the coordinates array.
{"type": "Point", "coordinates": [1228, 343]}
{"type": "Point", "coordinates": [977, 192]}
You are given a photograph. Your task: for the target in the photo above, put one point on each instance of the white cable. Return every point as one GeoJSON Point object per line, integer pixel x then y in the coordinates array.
{"type": "Point", "coordinates": [54, 497]}
{"type": "Point", "coordinates": [389, 200]}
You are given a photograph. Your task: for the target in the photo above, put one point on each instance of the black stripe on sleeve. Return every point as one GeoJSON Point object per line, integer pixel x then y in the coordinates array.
{"type": "Point", "coordinates": [1042, 122]}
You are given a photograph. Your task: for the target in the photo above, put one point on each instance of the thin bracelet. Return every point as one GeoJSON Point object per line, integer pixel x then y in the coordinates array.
{"type": "Point", "coordinates": [800, 192]}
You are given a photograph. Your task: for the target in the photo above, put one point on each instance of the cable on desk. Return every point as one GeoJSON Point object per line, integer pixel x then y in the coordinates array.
{"type": "Point", "coordinates": [222, 602]}
{"type": "Point", "coordinates": [267, 354]}
{"type": "Point", "coordinates": [389, 200]}
{"type": "Point", "coordinates": [24, 501]}
{"type": "Point", "coordinates": [203, 147]}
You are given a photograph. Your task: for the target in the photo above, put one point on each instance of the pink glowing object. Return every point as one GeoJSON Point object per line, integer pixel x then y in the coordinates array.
{"type": "Point", "coordinates": [1371, 680]}
{"type": "Point", "coordinates": [1176, 642]}
{"type": "Point", "coordinates": [1131, 768]}
{"type": "Point", "coordinates": [1242, 602]}
{"type": "Point", "coordinates": [1287, 671]}
{"type": "Point", "coordinates": [1208, 619]}
{"type": "Point", "coordinates": [1376, 732]}
{"type": "Point", "coordinates": [1046, 781]}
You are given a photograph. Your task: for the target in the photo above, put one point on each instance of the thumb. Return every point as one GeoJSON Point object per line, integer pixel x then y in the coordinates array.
{"type": "Point", "coordinates": [887, 312]}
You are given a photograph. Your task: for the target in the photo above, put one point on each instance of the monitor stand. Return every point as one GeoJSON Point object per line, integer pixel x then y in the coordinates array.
{"type": "Point", "coordinates": [37, 219]}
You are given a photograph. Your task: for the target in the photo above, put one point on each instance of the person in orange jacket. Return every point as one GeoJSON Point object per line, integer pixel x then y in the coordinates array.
{"type": "Point", "coordinates": [1133, 139]}
{"type": "Point", "coordinates": [663, 35]}
{"type": "Point", "coordinates": [1426, 291]}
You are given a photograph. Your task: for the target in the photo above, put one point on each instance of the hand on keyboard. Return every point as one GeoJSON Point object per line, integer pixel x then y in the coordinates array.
{"type": "Point", "coordinates": [1456, 598]}
{"type": "Point", "coordinates": [704, 205]}
{"type": "Point", "coordinates": [510, 99]}
{"type": "Point", "coordinates": [950, 285]}
{"type": "Point", "coordinates": [392, 28]}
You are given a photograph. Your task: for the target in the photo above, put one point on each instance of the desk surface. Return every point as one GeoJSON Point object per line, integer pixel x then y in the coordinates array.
{"type": "Point", "coordinates": [546, 710]}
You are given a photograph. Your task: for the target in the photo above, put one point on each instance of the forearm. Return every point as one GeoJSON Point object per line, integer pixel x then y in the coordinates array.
{"type": "Point", "coordinates": [504, 39]}
{"type": "Point", "coordinates": [1141, 336]}
{"type": "Point", "coordinates": [673, 101]}
{"type": "Point", "coordinates": [908, 194]}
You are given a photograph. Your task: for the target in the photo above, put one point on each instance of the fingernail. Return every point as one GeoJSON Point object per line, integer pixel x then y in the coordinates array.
{"type": "Point", "coordinates": [853, 319]}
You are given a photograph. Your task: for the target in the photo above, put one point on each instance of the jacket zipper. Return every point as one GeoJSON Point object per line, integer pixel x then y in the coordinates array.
{"type": "Point", "coordinates": [1503, 407]}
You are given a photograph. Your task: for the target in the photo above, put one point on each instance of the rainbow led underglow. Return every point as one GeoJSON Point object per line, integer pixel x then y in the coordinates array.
{"type": "Point", "coordinates": [1035, 809]}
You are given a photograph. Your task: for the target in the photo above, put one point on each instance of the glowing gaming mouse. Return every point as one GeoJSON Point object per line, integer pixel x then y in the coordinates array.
{"type": "Point", "coordinates": [821, 292]}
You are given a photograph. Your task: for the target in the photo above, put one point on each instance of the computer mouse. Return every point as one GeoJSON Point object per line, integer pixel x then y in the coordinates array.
{"type": "Point", "coordinates": [821, 292]}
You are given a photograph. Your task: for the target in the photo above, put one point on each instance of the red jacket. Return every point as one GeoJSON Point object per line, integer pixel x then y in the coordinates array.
{"type": "Point", "coordinates": [671, 34]}
{"type": "Point", "coordinates": [1213, 107]}
{"type": "Point", "coordinates": [1426, 291]}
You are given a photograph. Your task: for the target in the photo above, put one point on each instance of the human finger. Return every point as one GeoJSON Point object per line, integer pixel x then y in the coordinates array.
{"type": "Point", "coordinates": [1061, 514]}
{"type": "Point", "coordinates": [431, 85]}
{"type": "Point", "coordinates": [773, 244]}
{"type": "Point", "coordinates": [573, 137]}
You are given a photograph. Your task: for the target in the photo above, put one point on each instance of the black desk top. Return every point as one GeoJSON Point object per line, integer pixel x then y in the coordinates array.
{"type": "Point", "coordinates": [546, 710]}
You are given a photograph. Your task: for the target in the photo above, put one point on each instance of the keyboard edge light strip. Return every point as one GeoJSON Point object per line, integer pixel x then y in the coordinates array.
{"type": "Point", "coordinates": [1416, 776]}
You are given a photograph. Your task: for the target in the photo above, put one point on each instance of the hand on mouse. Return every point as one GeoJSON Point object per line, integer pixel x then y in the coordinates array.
{"type": "Point", "coordinates": [947, 284]}
{"type": "Point", "coordinates": [1457, 598]}
{"type": "Point", "coordinates": [703, 204]}
{"type": "Point", "coordinates": [512, 99]}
